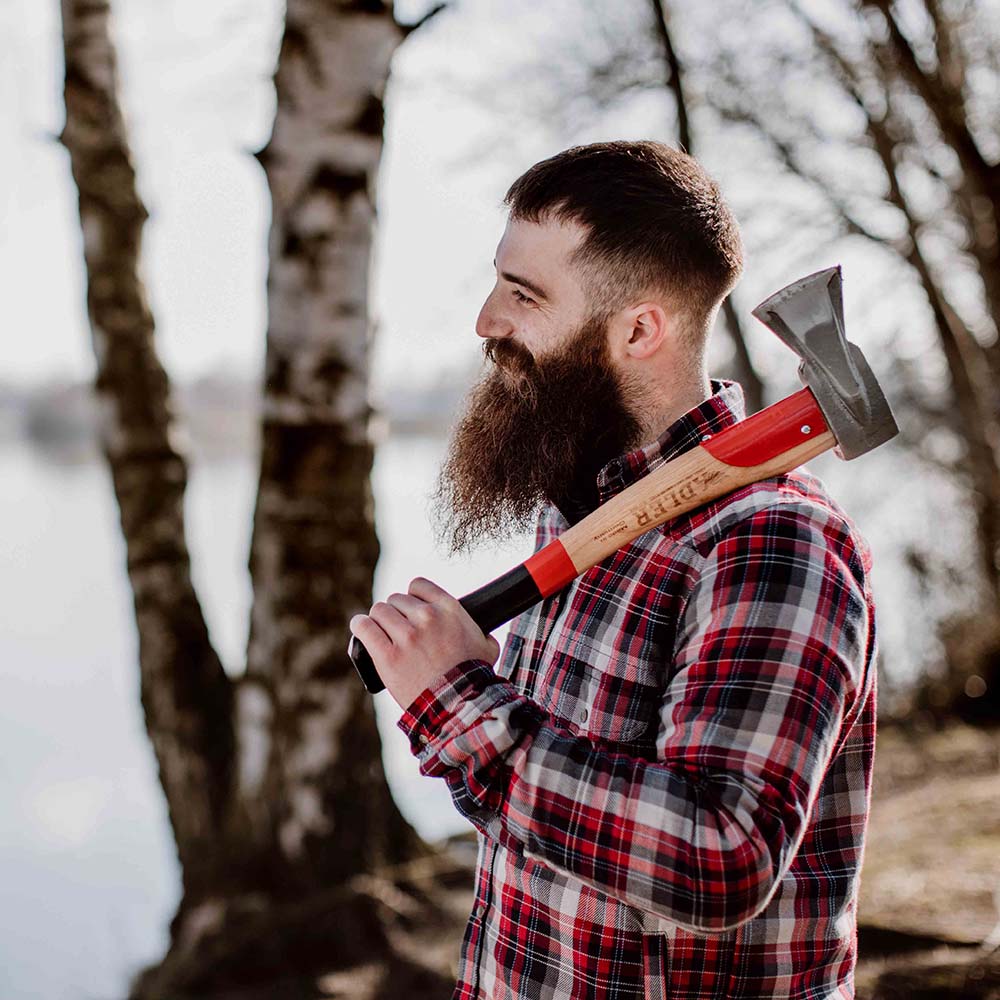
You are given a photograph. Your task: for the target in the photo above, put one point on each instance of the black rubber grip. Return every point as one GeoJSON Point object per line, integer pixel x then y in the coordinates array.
{"type": "Point", "coordinates": [489, 607]}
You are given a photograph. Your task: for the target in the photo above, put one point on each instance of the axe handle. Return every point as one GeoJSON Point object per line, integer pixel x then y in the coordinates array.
{"type": "Point", "coordinates": [777, 439]}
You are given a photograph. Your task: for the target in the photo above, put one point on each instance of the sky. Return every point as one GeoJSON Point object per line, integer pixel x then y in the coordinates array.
{"type": "Point", "coordinates": [196, 86]}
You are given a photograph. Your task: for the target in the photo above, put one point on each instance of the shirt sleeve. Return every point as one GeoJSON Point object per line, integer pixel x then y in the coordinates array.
{"type": "Point", "coordinates": [770, 657]}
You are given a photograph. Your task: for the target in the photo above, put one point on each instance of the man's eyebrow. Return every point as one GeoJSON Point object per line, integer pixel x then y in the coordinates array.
{"type": "Point", "coordinates": [516, 280]}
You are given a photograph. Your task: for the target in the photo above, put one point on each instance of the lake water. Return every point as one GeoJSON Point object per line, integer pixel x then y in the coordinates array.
{"type": "Point", "coordinates": [87, 868]}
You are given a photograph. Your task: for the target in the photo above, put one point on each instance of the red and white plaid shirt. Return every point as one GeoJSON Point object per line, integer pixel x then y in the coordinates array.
{"type": "Point", "coordinates": [670, 768]}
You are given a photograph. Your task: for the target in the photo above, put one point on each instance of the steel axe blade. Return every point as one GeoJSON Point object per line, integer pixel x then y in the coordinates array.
{"type": "Point", "coordinates": [808, 315]}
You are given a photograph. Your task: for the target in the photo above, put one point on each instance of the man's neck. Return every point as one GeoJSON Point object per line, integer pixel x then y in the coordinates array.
{"type": "Point", "coordinates": [672, 405]}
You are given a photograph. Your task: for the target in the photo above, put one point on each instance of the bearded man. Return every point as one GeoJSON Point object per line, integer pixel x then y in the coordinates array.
{"type": "Point", "coordinates": [669, 768]}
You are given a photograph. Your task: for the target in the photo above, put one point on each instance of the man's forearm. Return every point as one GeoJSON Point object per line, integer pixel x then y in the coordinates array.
{"type": "Point", "coordinates": [702, 851]}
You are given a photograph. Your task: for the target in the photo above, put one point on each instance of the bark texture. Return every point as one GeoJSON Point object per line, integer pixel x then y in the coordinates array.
{"type": "Point", "coordinates": [320, 793]}
{"type": "Point", "coordinates": [282, 817]}
{"type": "Point", "coordinates": [185, 693]}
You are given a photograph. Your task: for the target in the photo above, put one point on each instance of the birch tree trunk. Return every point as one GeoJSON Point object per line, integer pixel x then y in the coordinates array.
{"type": "Point", "coordinates": [322, 795]}
{"type": "Point", "coordinates": [280, 811]}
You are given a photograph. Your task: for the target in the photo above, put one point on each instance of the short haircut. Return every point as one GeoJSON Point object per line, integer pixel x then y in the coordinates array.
{"type": "Point", "coordinates": [657, 223]}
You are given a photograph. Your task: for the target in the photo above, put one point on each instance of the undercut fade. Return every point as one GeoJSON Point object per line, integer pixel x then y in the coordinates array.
{"type": "Point", "coordinates": [657, 224]}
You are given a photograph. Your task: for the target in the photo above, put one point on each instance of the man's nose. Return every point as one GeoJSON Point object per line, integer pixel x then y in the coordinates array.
{"type": "Point", "coordinates": [491, 322]}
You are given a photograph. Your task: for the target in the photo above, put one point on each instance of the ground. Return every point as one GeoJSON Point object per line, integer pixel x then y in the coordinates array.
{"type": "Point", "coordinates": [929, 915]}
{"type": "Point", "coordinates": [930, 892]}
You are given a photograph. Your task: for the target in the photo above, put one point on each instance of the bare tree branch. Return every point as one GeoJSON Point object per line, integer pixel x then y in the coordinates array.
{"type": "Point", "coordinates": [745, 372]}
{"type": "Point", "coordinates": [884, 131]}
{"type": "Point", "coordinates": [789, 157]}
{"type": "Point", "coordinates": [942, 101]}
{"type": "Point", "coordinates": [674, 79]}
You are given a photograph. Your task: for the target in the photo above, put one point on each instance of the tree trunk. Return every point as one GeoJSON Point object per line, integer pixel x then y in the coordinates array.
{"type": "Point", "coordinates": [278, 802]}
{"type": "Point", "coordinates": [322, 795]}
{"type": "Point", "coordinates": [186, 695]}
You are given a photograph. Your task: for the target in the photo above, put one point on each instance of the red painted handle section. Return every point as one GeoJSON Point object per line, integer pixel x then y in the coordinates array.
{"type": "Point", "coordinates": [551, 568]}
{"type": "Point", "coordinates": [768, 433]}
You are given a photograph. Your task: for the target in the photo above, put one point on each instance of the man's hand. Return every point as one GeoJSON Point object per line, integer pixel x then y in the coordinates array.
{"type": "Point", "coordinates": [417, 637]}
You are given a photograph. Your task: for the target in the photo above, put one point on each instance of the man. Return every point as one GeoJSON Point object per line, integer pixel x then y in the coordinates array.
{"type": "Point", "coordinates": [670, 767]}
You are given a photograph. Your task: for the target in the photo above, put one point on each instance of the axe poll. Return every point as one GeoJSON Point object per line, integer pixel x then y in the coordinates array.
{"type": "Point", "coordinates": [841, 407]}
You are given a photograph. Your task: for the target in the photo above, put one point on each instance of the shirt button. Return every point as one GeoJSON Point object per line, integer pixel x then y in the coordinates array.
{"type": "Point", "coordinates": [706, 437]}
{"type": "Point", "coordinates": [583, 714]}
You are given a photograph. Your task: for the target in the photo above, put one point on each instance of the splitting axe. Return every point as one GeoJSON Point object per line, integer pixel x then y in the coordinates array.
{"type": "Point", "coordinates": [841, 407]}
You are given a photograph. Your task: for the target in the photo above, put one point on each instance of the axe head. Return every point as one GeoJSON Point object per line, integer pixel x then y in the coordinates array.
{"type": "Point", "coordinates": [808, 315]}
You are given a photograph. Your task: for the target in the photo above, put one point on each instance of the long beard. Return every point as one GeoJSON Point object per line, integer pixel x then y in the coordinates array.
{"type": "Point", "coordinates": [533, 431]}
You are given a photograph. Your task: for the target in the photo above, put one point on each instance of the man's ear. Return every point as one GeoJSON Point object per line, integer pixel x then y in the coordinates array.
{"type": "Point", "coordinates": [640, 330]}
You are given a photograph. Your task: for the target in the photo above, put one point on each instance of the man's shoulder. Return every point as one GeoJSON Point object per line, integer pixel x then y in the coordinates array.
{"type": "Point", "coordinates": [794, 501]}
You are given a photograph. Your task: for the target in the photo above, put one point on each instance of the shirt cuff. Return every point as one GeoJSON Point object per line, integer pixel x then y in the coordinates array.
{"type": "Point", "coordinates": [433, 714]}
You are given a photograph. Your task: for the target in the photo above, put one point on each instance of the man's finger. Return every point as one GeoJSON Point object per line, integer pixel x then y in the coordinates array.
{"type": "Point", "coordinates": [371, 634]}
{"type": "Point", "coordinates": [411, 607]}
{"type": "Point", "coordinates": [428, 591]}
{"type": "Point", "coordinates": [392, 621]}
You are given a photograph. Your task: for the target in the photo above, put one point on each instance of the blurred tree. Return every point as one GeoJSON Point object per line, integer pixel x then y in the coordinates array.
{"type": "Point", "coordinates": [743, 369]}
{"type": "Point", "coordinates": [280, 811]}
{"type": "Point", "coordinates": [914, 87]}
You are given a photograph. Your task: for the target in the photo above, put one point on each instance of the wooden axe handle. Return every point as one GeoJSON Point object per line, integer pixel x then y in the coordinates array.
{"type": "Point", "coordinates": [777, 439]}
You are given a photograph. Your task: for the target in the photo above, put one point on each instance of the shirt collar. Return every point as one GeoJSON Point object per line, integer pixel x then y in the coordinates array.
{"type": "Point", "coordinates": [722, 409]}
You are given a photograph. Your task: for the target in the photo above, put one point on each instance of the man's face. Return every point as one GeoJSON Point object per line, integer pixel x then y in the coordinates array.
{"type": "Point", "coordinates": [539, 298]}
{"type": "Point", "coordinates": [551, 407]}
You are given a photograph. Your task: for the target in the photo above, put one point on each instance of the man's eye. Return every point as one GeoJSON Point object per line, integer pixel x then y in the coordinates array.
{"type": "Point", "coordinates": [521, 297]}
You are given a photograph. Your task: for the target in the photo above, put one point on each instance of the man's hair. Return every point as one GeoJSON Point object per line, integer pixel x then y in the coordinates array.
{"type": "Point", "coordinates": [657, 224]}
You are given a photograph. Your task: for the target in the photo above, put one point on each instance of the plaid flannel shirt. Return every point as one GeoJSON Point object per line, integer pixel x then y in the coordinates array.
{"type": "Point", "coordinates": [670, 768]}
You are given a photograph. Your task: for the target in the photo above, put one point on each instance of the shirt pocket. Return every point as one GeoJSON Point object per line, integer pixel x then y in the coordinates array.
{"type": "Point", "coordinates": [612, 698]}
